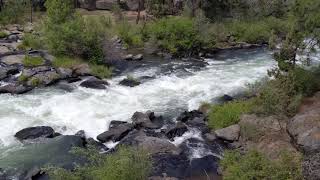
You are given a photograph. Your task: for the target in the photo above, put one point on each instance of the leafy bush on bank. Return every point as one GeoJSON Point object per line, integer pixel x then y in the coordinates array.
{"type": "Point", "coordinates": [125, 164]}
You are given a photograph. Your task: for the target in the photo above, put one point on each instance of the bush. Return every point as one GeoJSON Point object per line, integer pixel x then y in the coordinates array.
{"type": "Point", "coordinates": [255, 165]}
{"type": "Point", "coordinates": [32, 41]}
{"type": "Point", "coordinates": [14, 11]}
{"type": "Point", "coordinates": [177, 35]}
{"type": "Point", "coordinates": [66, 62]}
{"type": "Point", "coordinates": [283, 94]}
{"type": "Point", "coordinates": [33, 61]}
{"type": "Point", "coordinates": [68, 33]}
{"type": "Point", "coordinates": [130, 34]}
{"type": "Point", "coordinates": [3, 34]}
{"type": "Point", "coordinates": [125, 164]}
{"type": "Point", "coordinates": [221, 116]}
{"type": "Point", "coordinates": [101, 71]}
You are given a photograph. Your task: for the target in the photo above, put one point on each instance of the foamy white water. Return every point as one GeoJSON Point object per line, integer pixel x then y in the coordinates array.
{"type": "Point", "coordinates": [92, 110]}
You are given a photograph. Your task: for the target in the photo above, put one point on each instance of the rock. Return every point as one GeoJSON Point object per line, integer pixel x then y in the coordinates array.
{"type": "Point", "coordinates": [116, 123]}
{"type": "Point", "coordinates": [199, 123]}
{"type": "Point", "coordinates": [115, 133]}
{"type": "Point", "coordinates": [44, 78]}
{"type": "Point", "coordinates": [81, 134]}
{"type": "Point", "coordinates": [34, 132]}
{"type": "Point", "coordinates": [129, 82]}
{"type": "Point", "coordinates": [96, 144]}
{"type": "Point", "coordinates": [178, 130]}
{"type": "Point", "coordinates": [94, 83]}
{"type": "Point", "coordinates": [65, 86]}
{"type": "Point", "coordinates": [186, 116]}
{"type": "Point", "coordinates": [14, 89]}
{"type": "Point", "coordinates": [4, 49]}
{"type": "Point", "coordinates": [137, 57]}
{"type": "Point", "coordinates": [210, 137]}
{"type": "Point", "coordinates": [227, 98]}
{"type": "Point", "coordinates": [64, 73]}
{"type": "Point", "coordinates": [73, 79]}
{"type": "Point", "coordinates": [230, 133]}
{"type": "Point", "coordinates": [88, 4]}
{"type": "Point", "coordinates": [13, 37]}
{"type": "Point", "coordinates": [128, 57]}
{"type": "Point", "coordinates": [81, 70]}
{"type": "Point", "coordinates": [203, 167]}
{"type": "Point", "coordinates": [143, 120]}
{"type": "Point", "coordinates": [311, 167]}
{"type": "Point", "coordinates": [106, 4]}
{"type": "Point", "coordinates": [304, 128]}
{"type": "Point", "coordinates": [170, 165]}
{"type": "Point", "coordinates": [13, 59]}
{"type": "Point", "coordinates": [267, 135]}
{"type": "Point", "coordinates": [132, 5]}
{"type": "Point", "coordinates": [54, 151]}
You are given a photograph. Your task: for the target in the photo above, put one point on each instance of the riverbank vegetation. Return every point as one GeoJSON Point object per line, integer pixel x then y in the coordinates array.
{"type": "Point", "coordinates": [126, 163]}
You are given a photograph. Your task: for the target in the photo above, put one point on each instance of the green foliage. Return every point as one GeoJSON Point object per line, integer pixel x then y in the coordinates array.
{"type": "Point", "coordinates": [255, 165]}
{"type": "Point", "coordinates": [282, 95]}
{"type": "Point", "coordinates": [159, 8]}
{"type": "Point", "coordinates": [14, 11]}
{"type": "Point", "coordinates": [101, 71]}
{"type": "Point", "coordinates": [3, 34]}
{"type": "Point", "coordinates": [176, 35]}
{"type": "Point", "coordinates": [32, 61]}
{"type": "Point", "coordinates": [34, 81]}
{"type": "Point", "coordinates": [32, 41]}
{"type": "Point", "coordinates": [66, 62]}
{"type": "Point", "coordinates": [68, 33]}
{"type": "Point", "coordinates": [22, 78]}
{"type": "Point", "coordinates": [130, 34]}
{"type": "Point", "coordinates": [221, 116]}
{"type": "Point", "coordinates": [125, 164]}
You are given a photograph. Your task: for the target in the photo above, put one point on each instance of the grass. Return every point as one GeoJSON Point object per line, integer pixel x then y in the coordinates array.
{"type": "Point", "coordinates": [22, 78]}
{"type": "Point", "coordinates": [221, 116]}
{"type": "Point", "coordinates": [255, 165]}
{"type": "Point", "coordinates": [3, 34]}
{"type": "Point", "coordinates": [33, 61]}
{"type": "Point", "coordinates": [125, 164]}
{"type": "Point", "coordinates": [31, 41]}
{"type": "Point", "coordinates": [34, 81]}
{"type": "Point", "coordinates": [66, 62]}
{"type": "Point", "coordinates": [101, 71]}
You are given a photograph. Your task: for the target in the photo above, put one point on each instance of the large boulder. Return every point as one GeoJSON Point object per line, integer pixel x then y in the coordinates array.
{"type": "Point", "coordinates": [14, 89]}
{"type": "Point", "coordinates": [81, 70]}
{"type": "Point", "coordinates": [35, 132]}
{"type": "Point", "coordinates": [106, 4]}
{"type": "Point", "coordinates": [140, 119]}
{"type": "Point", "coordinates": [22, 163]}
{"type": "Point", "coordinates": [44, 78]}
{"type": "Point", "coordinates": [94, 83]}
{"type": "Point", "coordinates": [88, 4]}
{"type": "Point", "coordinates": [13, 59]}
{"type": "Point", "coordinates": [230, 133]}
{"type": "Point", "coordinates": [178, 130]}
{"type": "Point", "coordinates": [304, 128]}
{"type": "Point", "coordinates": [187, 116]}
{"type": "Point", "coordinates": [115, 133]}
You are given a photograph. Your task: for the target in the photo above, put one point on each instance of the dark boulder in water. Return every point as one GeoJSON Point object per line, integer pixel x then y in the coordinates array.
{"type": "Point", "coordinates": [178, 130]}
{"type": "Point", "coordinates": [203, 167]}
{"type": "Point", "coordinates": [115, 133]}
{"type": "Point", "coordinates": [146, 120]}
{"type": "Point", "coordinates": [35, 132]}
{"type": "Point", "coordinates": [94, 83]}
{"type": "Point", "coordinates": [129, 82]}
{"type": "Point", "coordinates": [187, 116]}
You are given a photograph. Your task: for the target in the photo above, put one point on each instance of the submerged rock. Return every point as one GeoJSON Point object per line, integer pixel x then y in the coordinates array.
{"type": "Point", "coordinates": [94, 83]}
{"type": "Point", "coordinates": [130, 82]}
{"type": "Point", "coordinates": [35, 132]}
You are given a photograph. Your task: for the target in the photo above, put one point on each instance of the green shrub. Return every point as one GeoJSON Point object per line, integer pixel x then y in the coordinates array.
{"type": "Point", "coordinates": [177, 35]}
{"type": "Point", "coordinates": [255, 165]}
{"type": "Point", "coordinates": [130, 34]}
{"type": "Point", "coordinates": [33, 61]}
{"type": "Point", "coordinates": [101, 71]}
{"type": "Point", "coordinates": [32, 41]}
{"type": "Point", "coordinates": [35, 81]}
{"type": "Point", "coordinates": [66, 62]}
{"type": "Point", "coordinates": [22, 78]}
{"type": "Point", "coordinates": [3, 34]}
{"type": "Point", "coordinates": [221, 116]}
{"type": "Point", "coordinates": [125, 164]}
{"type": "Point", "coordinates": [68, 33]}
{"type": "Point", "coordinates": [14, 11]}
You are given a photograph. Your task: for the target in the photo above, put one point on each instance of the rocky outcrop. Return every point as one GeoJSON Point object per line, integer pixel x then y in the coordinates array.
{"type": "Point", "coordinates": [35, 132]}
{"type": "Point", "coordinates": [94, 83]}
{"type": "Point", "coordinates": [304, 128]}
{"type": "Point", "coordinates": [230, 133]}
{"type": "Point", "coordinates": [146, 120]}
{"type": "Point", "coordinates": [115, 133]}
